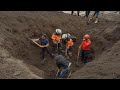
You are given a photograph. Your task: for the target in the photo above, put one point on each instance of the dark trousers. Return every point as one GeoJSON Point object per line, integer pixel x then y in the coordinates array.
{"type": "Point", "coordinates": [56, 47]}
{"type": "Point", "coordinates": [85, 55]}
{"type": "Point", "coordinates": [64, 72]}
{"type": "Point", "coordinates": [44, 50]}
{"type": "Point", "coordinates": [96, 13]}
{"type": "Point", "coordinates": [78, 13]}
{"type": "Point", "coordinates": [69, 50]}
{"type": "Point", "coordinates": [73, 11]}
{"type": "Point", "coordinates": [87, 13]}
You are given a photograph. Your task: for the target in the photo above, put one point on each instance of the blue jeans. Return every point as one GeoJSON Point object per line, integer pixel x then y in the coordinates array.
{"type": "Point", "coordinates": [96, 13]}
{"type": "Point", "coordinates": [45, 50]}
{"type": "Point", "coordinates": [64, 72]}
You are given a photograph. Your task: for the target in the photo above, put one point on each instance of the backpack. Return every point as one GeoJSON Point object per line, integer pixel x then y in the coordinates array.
{"type": "Point", "coordinates": [73, 38]}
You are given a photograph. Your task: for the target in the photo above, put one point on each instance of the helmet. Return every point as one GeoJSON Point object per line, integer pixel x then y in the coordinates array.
{"type": "Point", "coordinates": [64, 36]}
{"type": "Point", "coordinates": [86, 36]}
{"type": "Point", "coordinates": [58, 31]}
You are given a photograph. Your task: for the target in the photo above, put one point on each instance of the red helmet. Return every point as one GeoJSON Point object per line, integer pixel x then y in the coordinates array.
{"type": "Point", "coordinates": [86, 36]}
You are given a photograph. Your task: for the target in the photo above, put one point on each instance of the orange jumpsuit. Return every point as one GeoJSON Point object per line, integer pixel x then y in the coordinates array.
{"type": "Point", "coordinates": [56, 38]}
{"type": "Point", "coordinates": [69, 43]}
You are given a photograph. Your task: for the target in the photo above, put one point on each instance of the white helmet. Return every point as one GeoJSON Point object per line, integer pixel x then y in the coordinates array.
{"type": "Point", "coordinates": [64, 36]}
{"type": "Point", "coordinates": [58, 31]}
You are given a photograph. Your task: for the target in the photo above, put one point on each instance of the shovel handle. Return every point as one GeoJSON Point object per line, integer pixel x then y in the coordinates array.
{"type": "Point", "coordinates": [57, 73]}
{"type": "Point", "coordinates": [78, 55]}
{"type": "Point", "coordinates": [78, 52]}
{"type": "Point", "coordinates": [34, 41]}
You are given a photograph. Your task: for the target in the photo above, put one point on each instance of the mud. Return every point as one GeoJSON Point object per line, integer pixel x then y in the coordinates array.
{"type": "Point", "coordinates": [17, 27]}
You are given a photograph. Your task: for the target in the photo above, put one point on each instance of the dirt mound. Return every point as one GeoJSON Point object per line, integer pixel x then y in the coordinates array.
{"type": "Point", "coordinates": [24, 59]}
{"type": "Point", "coordinates": [12, 68]}
{"type": "Point", "coordinates": [106, 65]}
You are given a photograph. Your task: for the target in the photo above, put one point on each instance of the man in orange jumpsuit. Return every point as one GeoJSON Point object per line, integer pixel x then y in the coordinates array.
{"type": "Point", "coordinates": [56, 39]}
{"type": "Point", "coordinates": [85, 48]}
{"type": "Point", "coordinates": [69, 45]}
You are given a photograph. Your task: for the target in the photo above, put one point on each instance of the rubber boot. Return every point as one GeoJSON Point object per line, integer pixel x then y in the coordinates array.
{"type": "Point", "coordinates": [96, 20]}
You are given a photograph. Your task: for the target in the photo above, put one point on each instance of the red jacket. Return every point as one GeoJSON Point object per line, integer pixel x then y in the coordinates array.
{"type": "Point", "coordinates": [86, 45]}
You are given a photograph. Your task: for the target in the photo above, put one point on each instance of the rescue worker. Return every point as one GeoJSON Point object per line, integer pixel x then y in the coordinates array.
{"type": "Point", "coordinates": [63, 65]}
{"type": "Point", "coordinates": [84, 48]}
{"type": "Point", "coordinates": [43, 43]}
{"type": "Point", "coordinates": [56, 39]}
{"type": "Point", "coordinates": [69, 47]}
{"type": "Point", "coordinates": [69, 43]}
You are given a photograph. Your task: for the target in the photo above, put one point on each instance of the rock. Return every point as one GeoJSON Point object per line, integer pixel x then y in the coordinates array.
{"type": "Point", "coordinates": [17, 73]}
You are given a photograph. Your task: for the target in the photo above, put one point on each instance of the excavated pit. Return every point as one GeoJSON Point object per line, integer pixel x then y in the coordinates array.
{"type": "Point", "coordinates": [17, 27]}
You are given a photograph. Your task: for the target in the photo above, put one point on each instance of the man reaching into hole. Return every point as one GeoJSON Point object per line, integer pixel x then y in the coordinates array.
{"type": "Point", "coordinates": [63, 66]}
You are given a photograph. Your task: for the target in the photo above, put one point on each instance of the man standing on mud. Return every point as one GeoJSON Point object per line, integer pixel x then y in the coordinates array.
{"type": "Point", "coordinates": [56, 40]}
{"type": "Point", "coordinates": [69, 40]}
{"type": "Point", "coordinates": [84, 48]}
{"type": "Point", "coordinates": [43, 43]}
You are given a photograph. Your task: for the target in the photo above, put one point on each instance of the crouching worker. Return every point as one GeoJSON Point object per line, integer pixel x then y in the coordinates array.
{"type": "Point", "coordinates": [84, 48]}
{"type": "Point", "coordinates": [56, 39]}
{"type": "Point", "coordinates": [69, 47]}
{"type": "Point", "coordinates": [69, 43]}
{"type": "Point", "coordinates": [63, 65]}
{"type": "Point", "coordinates": [43, 43]}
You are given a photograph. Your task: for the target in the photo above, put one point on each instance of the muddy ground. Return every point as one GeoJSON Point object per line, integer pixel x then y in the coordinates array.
{"type": "Point", "coordinates": [20, 58]}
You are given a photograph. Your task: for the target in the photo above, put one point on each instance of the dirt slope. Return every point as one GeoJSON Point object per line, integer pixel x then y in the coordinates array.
{"type": "Point", "coordinates": [106, 67]}
{"type": "Point", "coordinates": [17, 27]}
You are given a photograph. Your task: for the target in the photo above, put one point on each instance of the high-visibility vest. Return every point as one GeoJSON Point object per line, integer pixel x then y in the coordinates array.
{"type": "Point", "coordinates": [56, 38]}
{"type": "Point", "coordinates": [70, 43]}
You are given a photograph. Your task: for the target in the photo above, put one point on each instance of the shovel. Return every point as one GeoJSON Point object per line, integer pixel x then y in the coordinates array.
{"type": "Point", "coordinates": [57, 73]}
{"type": "Point", "coordinates": [78, 57]}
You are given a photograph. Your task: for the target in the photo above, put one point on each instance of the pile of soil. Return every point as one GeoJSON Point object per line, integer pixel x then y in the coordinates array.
{"type": "Point", "coordinates": [19, 55]}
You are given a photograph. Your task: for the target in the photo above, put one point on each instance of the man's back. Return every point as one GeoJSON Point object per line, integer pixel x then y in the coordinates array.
{"type": "Point", "coordinates": [43, 41]}
{"type": "Point", "coordinates": [61, 61]}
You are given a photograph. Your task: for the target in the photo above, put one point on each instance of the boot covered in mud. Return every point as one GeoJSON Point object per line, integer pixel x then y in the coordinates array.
{"type": "Point", "coordinates": [96, 21]}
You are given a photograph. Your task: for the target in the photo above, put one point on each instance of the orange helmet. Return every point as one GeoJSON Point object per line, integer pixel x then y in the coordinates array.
{"type": "Point", "coordinates": [86, 36]}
